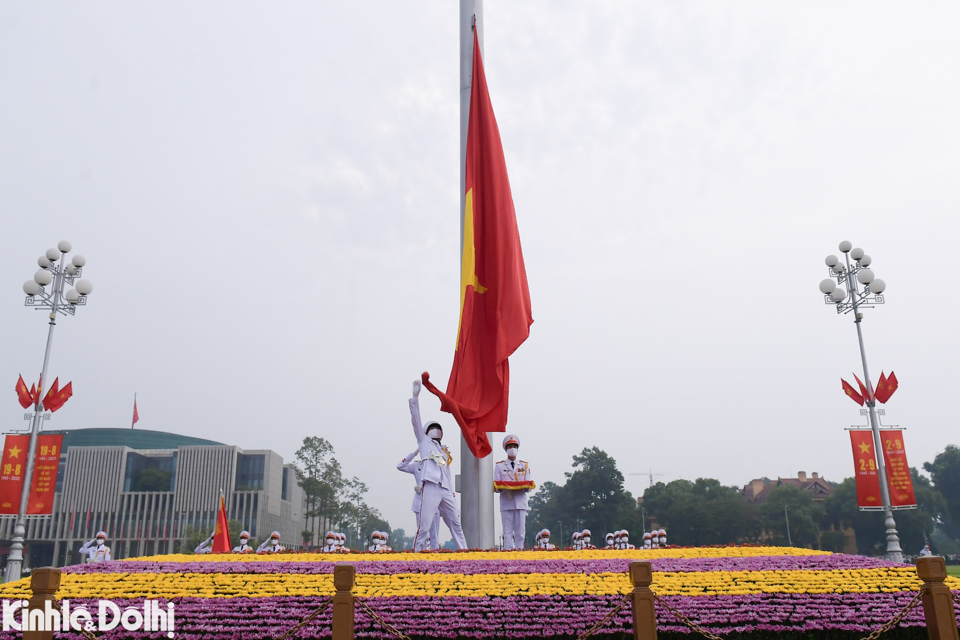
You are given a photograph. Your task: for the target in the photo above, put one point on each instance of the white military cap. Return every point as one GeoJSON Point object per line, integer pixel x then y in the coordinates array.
{"type": "Point", "coordinates": [511, 439]}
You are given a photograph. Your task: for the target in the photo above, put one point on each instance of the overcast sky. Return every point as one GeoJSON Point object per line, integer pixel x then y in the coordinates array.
{"type": "Point", "coordinates": [267, 198]}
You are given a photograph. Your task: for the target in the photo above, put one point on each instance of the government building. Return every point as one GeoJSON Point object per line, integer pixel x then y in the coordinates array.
{"type": "Point", "coordinates": [148, 489]}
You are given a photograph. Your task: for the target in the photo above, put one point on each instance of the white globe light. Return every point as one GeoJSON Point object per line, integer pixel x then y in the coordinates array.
{"type": "Point", "coordinates": [878, 286]}
{"type": "Point", "coordinates": [70, 269]}
{"type": "Point", "coordinates": [43, 277]}
{"type": "Point", "coordinates": [845, 246]}
{"type": "Point", "coordinates": [865, 276]}
{"type": "Point", "coordinates": [840, 268]}
{"type": "Point", "coordinates": [43, 262]}
{"type": "Point", "coordinates": [831, 261]}
{"type": "Point", "coordinates": [827, 286]}
{"type": "Point", "coordinates": [31, 288]}
{"type": "Point", "coordinates": [857, 253]}
{"type": "Point", "coordinates": [79, 260]}
{"type": "Point", "coordinates": [839, 294]}
{"type": "Point", "coordinates": [53, 254]}
{"type": "Point", "coordinates": [84, 287]}
{"type": "Point", "coordinates": [72, 296]}
{"type": "Point", "coordinates": [865, 261]}
{"type": "Point", "coordinates": [64, 246]}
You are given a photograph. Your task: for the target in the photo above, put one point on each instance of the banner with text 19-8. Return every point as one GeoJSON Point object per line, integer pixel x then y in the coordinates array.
{"type": "Point", "coordinates": [898, 471]}
{"type": "Point", "coordinates": [44, 481]}
{"type": "Point", "coordinates": [865, 468]}
{"type": "Point", "coordinates": [12, 469]}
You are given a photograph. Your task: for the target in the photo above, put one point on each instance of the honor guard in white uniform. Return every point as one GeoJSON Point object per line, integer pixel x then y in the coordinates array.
{"type": "Point", "coordinates": [662, 535]}
{"type": "Point", "coordinates": [625, 540]}
{"type": "Point", "coordinates": [512, 480]}
{"type": "Point", "coordinates": [342, 542]}
{"type": "Point", "coordinates": [436, 484]}
{"type": "Point", "coordinates": [244, 547]}
{"type": "Point", "coordinates": [609, 540]}
{"type": "Point", "coordinates": [575, 545]}
{"type": "Point", "coordinates": [96, 550]}
{"type": "Point", "coordinates": [330, 543]}
{"type": "Point", "coordinates": [271, 544]}
{"type": "Point", "coordinates": [205, 546]}
{"type": "Point", "coordinates": [412, 466]}
{"type": "Point", "coordinates": [585, 537]}
{"type": "Point", "coordinates": [647, 541]}
{"type": "Point", "coordinates": [543, 540]}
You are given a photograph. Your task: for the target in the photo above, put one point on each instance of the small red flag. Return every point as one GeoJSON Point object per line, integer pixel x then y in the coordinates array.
{"type": "Point", "coordinates": [892, 384]}
{"type": "Point", "coordinates": [60, 398]}
{"type": "Point", "coordinates": [882, 393]}
{"type": "Point", "coordinates": [221, 537]}
{"type": "Point", "coordinates": [863, 389]}
{"type": "Point", "coordinates": [850, 391]}
{"type": "Point", "coordinates": [136, 416]}
{"type": "Point", "coordinates": [495, 315]}
{"type": "Point", "coordinates": [23, 394]}
{"type": "Point", "coordinates": [50, 394]}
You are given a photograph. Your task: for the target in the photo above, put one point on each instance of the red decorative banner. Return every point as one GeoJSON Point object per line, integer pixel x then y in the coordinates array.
{"type": "Point", "coordinates": [44, 481]}
{"type": "Point", "coordinates": [898, 471]}
{"type": "Point", "coordinates": [13, 466]}
{"type": "Point", "coordinates": [865, 467]}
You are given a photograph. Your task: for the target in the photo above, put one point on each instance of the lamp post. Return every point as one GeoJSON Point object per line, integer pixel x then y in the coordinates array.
{"type": "Point", "coordinates": [856, 287]}
{"type": "Point", "coordinates": [45, 292]}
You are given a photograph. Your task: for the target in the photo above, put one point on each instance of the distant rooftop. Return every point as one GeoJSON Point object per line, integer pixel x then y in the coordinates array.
{"type": "Point", "coordinates": [133, 438]}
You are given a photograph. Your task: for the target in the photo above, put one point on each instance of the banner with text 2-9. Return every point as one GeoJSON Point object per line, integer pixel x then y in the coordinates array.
{"type": "Point", "coordinates": [865, 467]}
{"type": "Point", "coordinates": [13, 466]}
{"type": "Point", "coordinates": [44, 481]}
{"type": "Point", "coordinates": [898, 471]}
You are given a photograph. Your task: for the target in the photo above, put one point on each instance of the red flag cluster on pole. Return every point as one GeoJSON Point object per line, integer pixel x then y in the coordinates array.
{"type": "Point", "coordinates": [885, 389]}
{"type": "Point", "coordinates": [55, 398]}
{"type": "Point", "coordinates": [495, 314]}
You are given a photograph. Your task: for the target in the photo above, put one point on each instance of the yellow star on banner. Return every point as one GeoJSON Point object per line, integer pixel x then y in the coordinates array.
{"type": "Point", "coordinates": [864, 447]}
{"type": "Point", "coordinates": [15, 452]}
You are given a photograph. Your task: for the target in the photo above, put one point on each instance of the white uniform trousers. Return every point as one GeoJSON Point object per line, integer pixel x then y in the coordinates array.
{"type": "Point", "coordinates": [514, 527]}
{"type": "Point", "coordinates": [435, 503]}
{"type": "Point", "coordinates": [434, 528]}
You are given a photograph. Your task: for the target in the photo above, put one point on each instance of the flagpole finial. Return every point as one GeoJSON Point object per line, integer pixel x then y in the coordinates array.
{"type": "Point", "coordinates": [474, 24]}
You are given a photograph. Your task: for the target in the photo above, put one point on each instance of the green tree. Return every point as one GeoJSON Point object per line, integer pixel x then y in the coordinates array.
{"type": "Point", "coordinates": [701, 512]}
{"type": "Point", "coordinates": [788, 502]}
{"type": "Point", "coordinates": [945, 473]}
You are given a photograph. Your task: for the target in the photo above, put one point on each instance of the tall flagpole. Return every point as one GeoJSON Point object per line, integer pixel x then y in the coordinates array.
{"type": "Point", "coordinates": [476, 475]}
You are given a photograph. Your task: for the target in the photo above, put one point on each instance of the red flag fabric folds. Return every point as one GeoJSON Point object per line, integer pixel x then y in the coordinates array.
{"type": "Point", "coordinates": [221, 537]}
{"type": "Point", "coordinates": [59, 398]}
{"type": "Point", "coordinates": [495, 315]}
{"type": "Point", "coordinates": [23, 394]}
{"type": "Point", "coordinates": [850, 391]}
{"type": "Point", "coordinates": [863, 389]}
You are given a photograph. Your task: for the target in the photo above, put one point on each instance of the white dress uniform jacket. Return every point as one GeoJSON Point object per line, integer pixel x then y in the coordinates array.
{"type": "Point", "coordinates": [437, 499]}
{"type": "Point", "coordinates": [513, 502]}
{"type": "Point", "coordinates": [95, 552]}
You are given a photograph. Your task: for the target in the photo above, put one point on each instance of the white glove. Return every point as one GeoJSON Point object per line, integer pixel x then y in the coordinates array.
{"type": "Point", "coordinates": [416, 388]}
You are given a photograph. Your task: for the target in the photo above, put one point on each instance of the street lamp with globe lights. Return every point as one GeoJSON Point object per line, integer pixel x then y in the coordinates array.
{"type": "Point", "coordinates": [850, 287]}
{"type": "Point", "coordinates": [46, 292]}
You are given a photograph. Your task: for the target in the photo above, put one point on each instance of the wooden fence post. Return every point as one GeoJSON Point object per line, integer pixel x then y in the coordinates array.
{"type": "Point", "coordinates": [44, 584]}
{"type": "Point", "coordinates": [343, 575]}
{"type": "Point", "coordinates": [644, 611]}
{"type": "Point", "coordinates": [937, 599]}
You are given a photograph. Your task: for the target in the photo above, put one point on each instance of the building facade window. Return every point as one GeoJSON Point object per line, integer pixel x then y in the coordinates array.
{"type": "Point", "coordinates": [283, 487]}
{"type": "Point", "coordinates": [149, 473]}
{"type": "Point", "coordinates": [249, 472]}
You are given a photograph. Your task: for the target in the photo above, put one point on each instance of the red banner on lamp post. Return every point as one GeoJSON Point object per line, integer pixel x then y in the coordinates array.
{"type": "Point", "coordinates": [13, 466]}
{"type": "Point", "coordinates": [44, 481]}
{"type": "Point", "coordinates": [865, 467]}
{"type": "Point", "coordinates": [898, 471]}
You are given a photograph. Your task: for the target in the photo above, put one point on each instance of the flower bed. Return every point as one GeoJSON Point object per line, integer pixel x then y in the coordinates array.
{"type": "Point", "coordinates": [749, 592]}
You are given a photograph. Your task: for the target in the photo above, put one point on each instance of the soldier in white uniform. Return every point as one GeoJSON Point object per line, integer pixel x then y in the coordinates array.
{"type": "Point", "coordinates": [205, 546]}
{"type": "Point", "coordinates": [512, 480]}
{"type": "Point", "coordinates": [436, 486]}
{"type": "Point", "coordinates": [97, 550]}
{"type": "Point", "coordinates": [244, 547]}
{"type": "Point", "coordinates": [625, 540]}
{"type": "Point", "coordinates": [543, 540]}
{"type": "Point", "coordinates": [330, 543]}
{"type": "Point", "coordinates": [271, 544]}
{"type": "Point", "coordinates": [412, 466]}
{"type": "Point", "coordinates": [662, 535]}
{"type": "Point", "coordinates": [585, 536]}
{"type": "Point", "coordinates": [609, 540]}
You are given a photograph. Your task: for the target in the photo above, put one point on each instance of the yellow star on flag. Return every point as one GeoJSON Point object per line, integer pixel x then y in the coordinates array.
{"type": "Point", "coordinates": [15, 452]}
{"type": "Point", "coordinates": [864, 447]}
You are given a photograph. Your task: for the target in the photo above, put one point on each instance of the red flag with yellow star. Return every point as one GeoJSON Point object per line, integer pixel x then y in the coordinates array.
{"type": "Point", "coordinates": [865, 468]}
{"type": "Point", "coordinates": [850, 391]}
{"type": "Point", "coordinates": [59, 398]}
{"type": "Point", "coordinates": [13, 466]}
{"type": "Point", "coordinates": [23, 394]}
{"type": "Point", "coordinates": [221, 535]}
{"type": "Point", "coordinates": [495, 314]}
